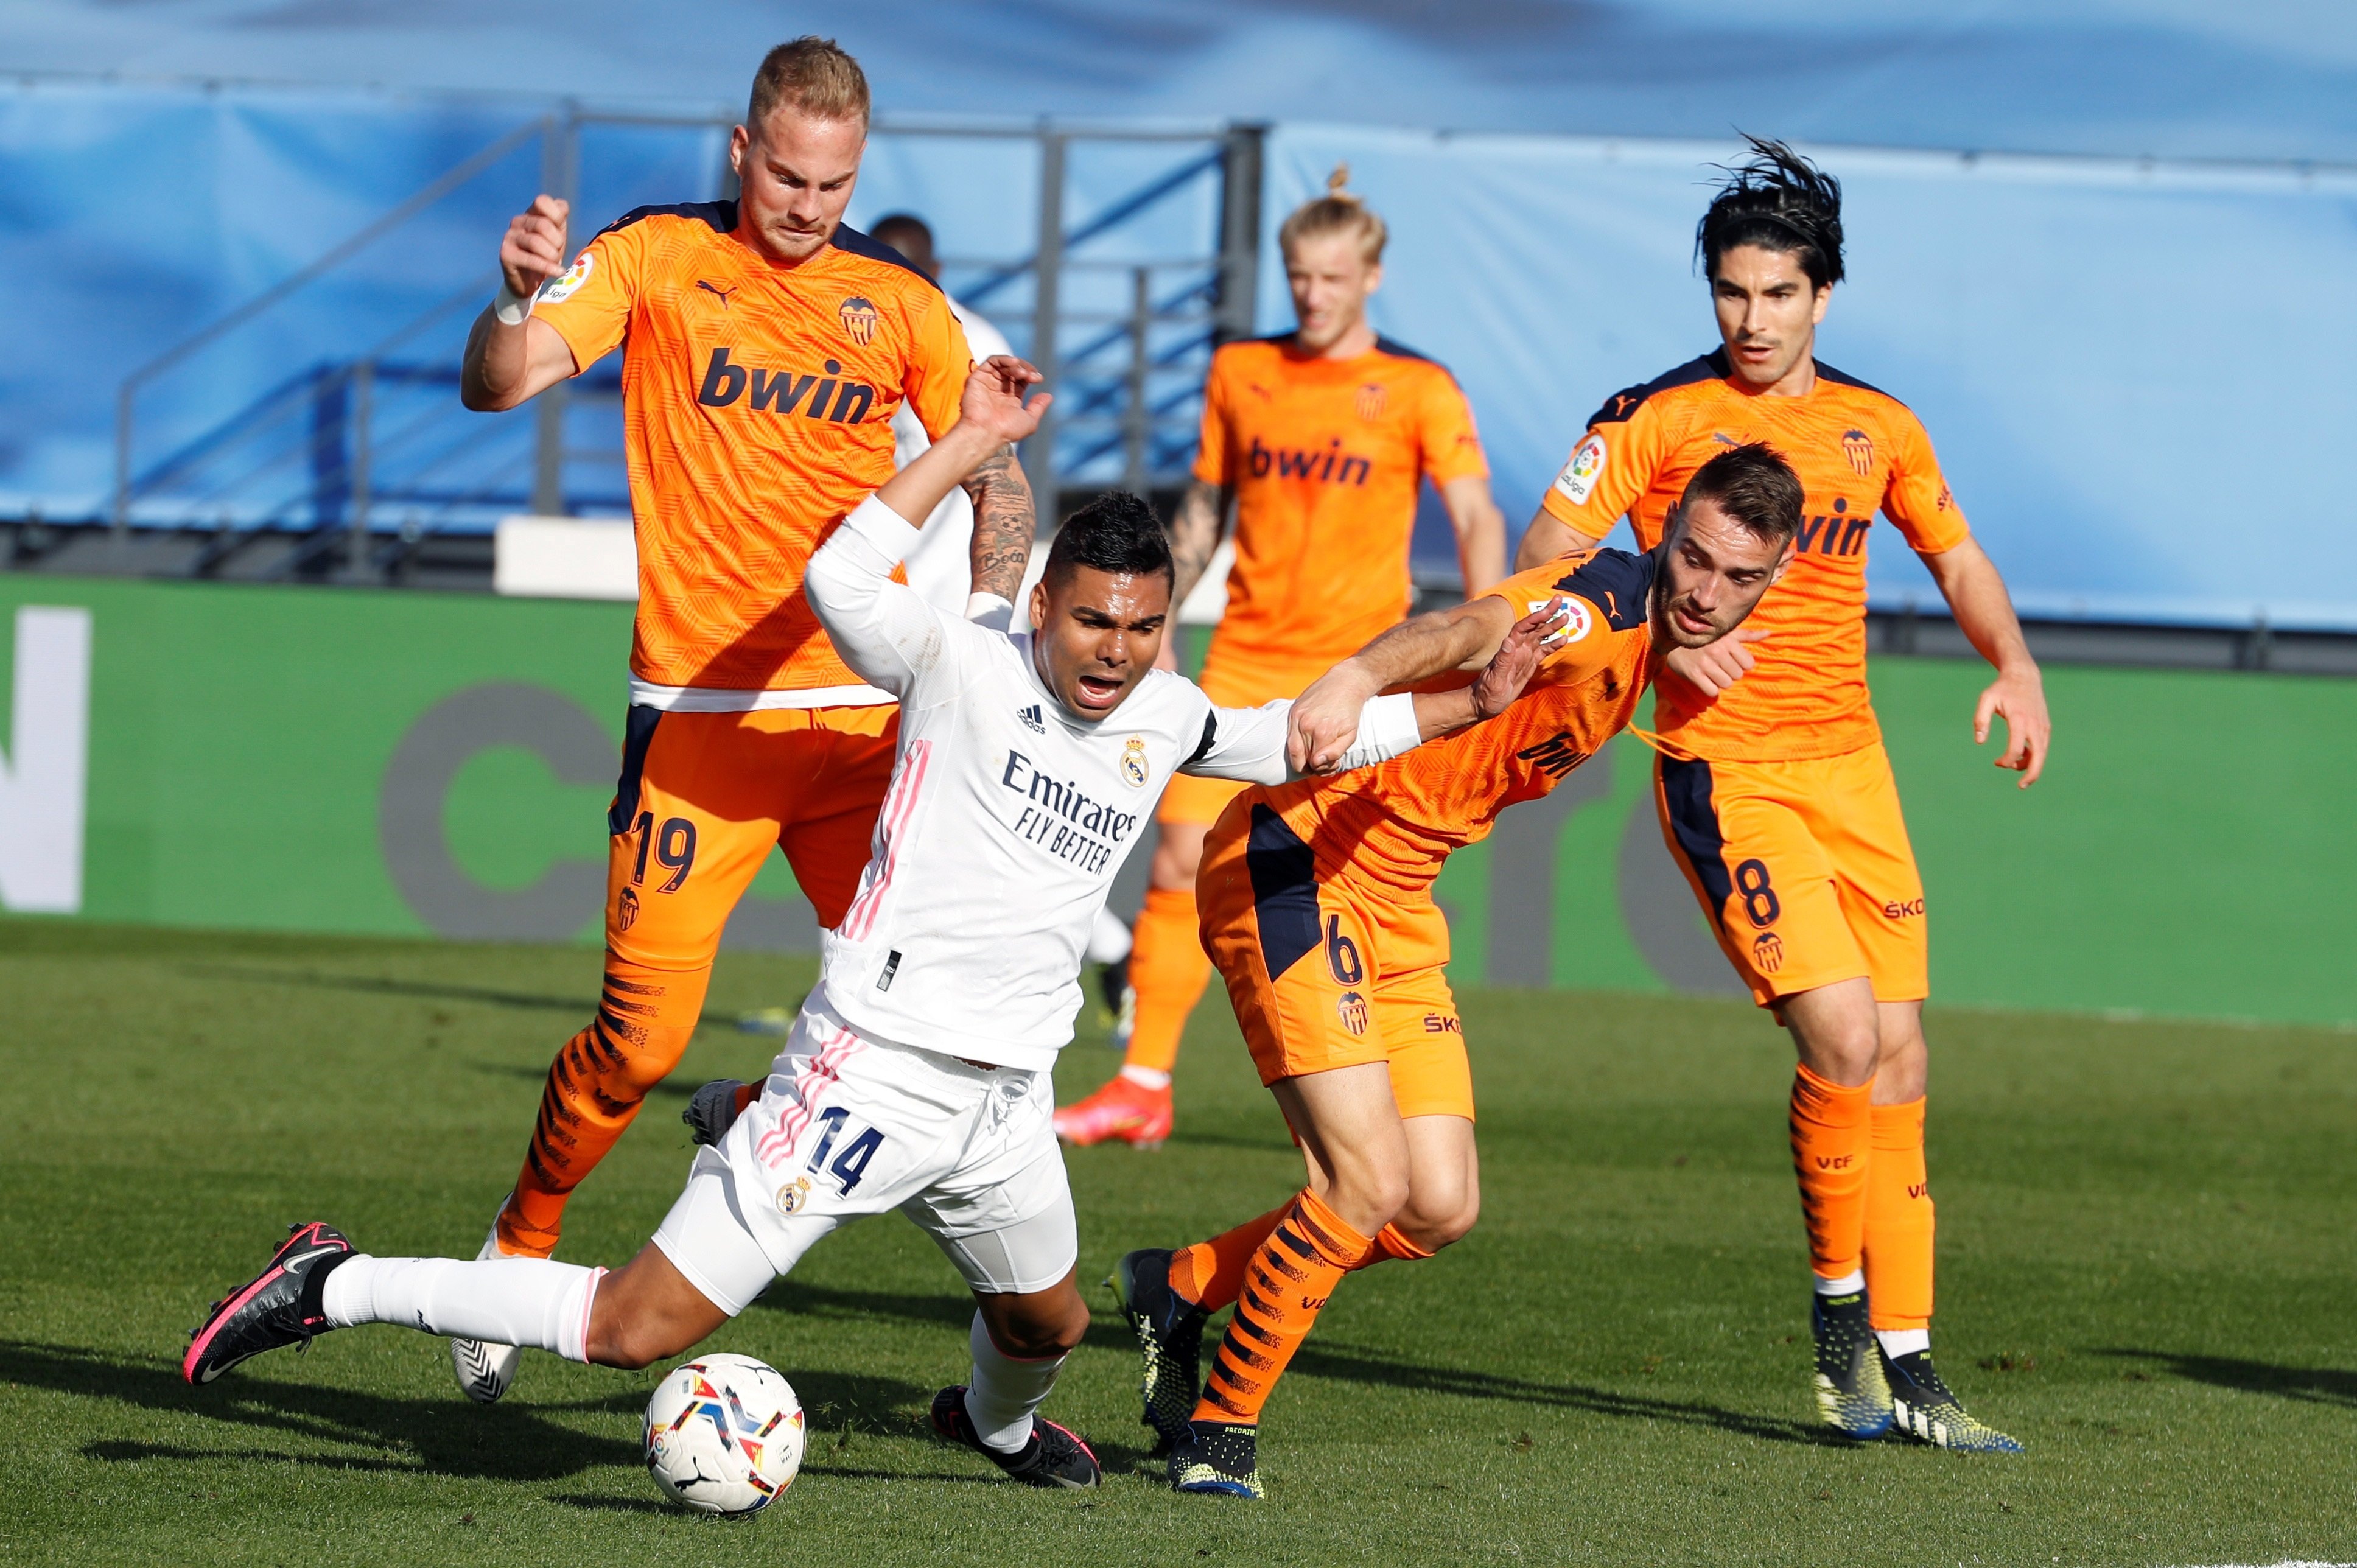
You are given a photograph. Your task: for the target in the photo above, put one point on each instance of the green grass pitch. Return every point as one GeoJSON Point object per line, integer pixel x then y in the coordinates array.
{"type": "Point", "coordinates": [2148, 1244]}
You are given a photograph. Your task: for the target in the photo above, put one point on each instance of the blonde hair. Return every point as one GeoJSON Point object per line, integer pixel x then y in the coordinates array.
{"type": "Point", "coordinates": [1335, 212]}
{"type": "Point", "coordinates": [811, 74]}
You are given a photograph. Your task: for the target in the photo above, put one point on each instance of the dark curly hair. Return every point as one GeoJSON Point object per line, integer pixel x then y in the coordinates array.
{"type": "Point", "coordinates": [1116, 532]}
{"type": "Point", "coordinates": [1780, 202]}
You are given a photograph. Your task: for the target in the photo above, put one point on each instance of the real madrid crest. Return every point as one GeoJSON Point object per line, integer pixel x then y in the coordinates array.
{"type": "Point", "coordinates": [794, 1196]}
{"type": "Point", "coordinates": [1134, 771]}
{"type": "Point", "coordinates": [859, 318]}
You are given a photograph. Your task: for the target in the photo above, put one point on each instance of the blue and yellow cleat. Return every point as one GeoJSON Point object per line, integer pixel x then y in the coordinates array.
{"type": "Point", "coordinates": [1922, 1408]}
{"type": "Point", "coordinates": [1169, 1331]}
{"type": "Point", "coordinates": [1853, 1396]}
{"type": "Point", "coordinates": [1216, 1456]}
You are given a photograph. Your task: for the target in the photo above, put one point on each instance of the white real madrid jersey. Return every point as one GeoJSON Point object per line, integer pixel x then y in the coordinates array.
{"type": "Point", "coordinates": [1008, 815]}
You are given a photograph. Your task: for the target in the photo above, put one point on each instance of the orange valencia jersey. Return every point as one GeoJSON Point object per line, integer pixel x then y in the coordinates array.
{"type": "Point", "coordinates": [757, 411]}
{"type": "Point", "coordinates": [1857, 451]}
{"type": "Point", "coordinates": [1325, 458]}
{"type": "Point", "coordinates": [1397, 822]}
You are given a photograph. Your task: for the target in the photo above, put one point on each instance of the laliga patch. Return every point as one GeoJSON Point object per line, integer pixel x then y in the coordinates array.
{"type": "Point", "coordinates": [1586, 466]}
{"type": "Point", "coordinates": [1134, 771]}
{"type": "Point", "coordinates": [561, 287]}
{"type": "Point", "coordinates": [1578, 621]}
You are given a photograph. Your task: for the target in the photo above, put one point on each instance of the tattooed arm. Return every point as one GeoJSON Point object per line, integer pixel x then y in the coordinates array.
{"type": "Point", "coordinates": [1195, 534]}
{"type": "Point", "coordinates": [1005, 523]}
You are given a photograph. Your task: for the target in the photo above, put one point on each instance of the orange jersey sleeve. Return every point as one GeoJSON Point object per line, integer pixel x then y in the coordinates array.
{"type": "Point", "coordinates": [589, 301]}
{"type": "Point", "coordinates": [1597, 613]}
{"type": "Point", "coordinates": [1629, 441]}
{"type": "Point", "coordinates": [1916, 497]}
{"type": "Point", "coordinates": [1449, 443]}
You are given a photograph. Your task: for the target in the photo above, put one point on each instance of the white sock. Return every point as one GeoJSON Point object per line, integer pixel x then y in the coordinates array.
{"type": "Point", "coordinates": [533, 1301]}
{"type": "Point", "coordinates": [1849, 1284]}
{"type": "Point", "coordinates": [1004, 1393]}
{"type": "Point", "coordinates": [1898, 1342]}
{"type": "Point", "coordinates": [1146, 1077]}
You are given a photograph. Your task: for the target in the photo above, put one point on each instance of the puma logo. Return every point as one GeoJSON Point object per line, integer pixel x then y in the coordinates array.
{"type": "Point", "coordinates": [722, 294]}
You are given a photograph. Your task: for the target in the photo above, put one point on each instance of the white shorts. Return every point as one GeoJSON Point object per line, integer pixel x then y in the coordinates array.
{"type": "Point", "coordinates": [847, 1126]}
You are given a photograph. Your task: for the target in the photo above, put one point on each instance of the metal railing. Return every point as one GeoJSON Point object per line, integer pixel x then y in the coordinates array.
{"type": "Point", "coordinates": [366, 450]}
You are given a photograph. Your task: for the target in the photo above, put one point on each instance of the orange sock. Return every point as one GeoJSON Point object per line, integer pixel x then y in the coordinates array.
{"type": "Point", "coordinates": [1168, 971]}
{"type": "Point", "coordinates": [1288, 1281]}
{"type": "Point", "coordinates": [645, 1017]}
{"type": "Point", "coordinates": [1832, 1149]}
{"type": "Point", "coordinates": [1390, 1241]}
{"type": "Point", "coordinates": [1210, 1273]}
{"type": "Point", "coordinates": [1899, 1220]}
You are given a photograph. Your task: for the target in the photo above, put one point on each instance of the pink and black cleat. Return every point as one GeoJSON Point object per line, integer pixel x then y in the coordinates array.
{"type": "Point", "coordinates": [279, 1306]}
{"type": "Point", "coordinates": [1055, 1455]}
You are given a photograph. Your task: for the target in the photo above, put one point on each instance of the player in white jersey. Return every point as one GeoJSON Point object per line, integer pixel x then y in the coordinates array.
{"type": "Point", "coordinates": [917, 1075]}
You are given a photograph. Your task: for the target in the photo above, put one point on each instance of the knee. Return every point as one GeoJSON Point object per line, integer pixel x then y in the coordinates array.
{"type": "Point", "coordinates": [1034, 1331]}
{"type": "Point", "coordinates": [629, 1347]}
{"type": "Point", "coordinates": [1437, 1224]}
{"type": "Point", "coordinates": [1369, 1196]}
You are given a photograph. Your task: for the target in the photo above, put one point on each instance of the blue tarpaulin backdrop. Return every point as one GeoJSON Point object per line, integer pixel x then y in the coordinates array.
{"type": "Point", "coordinates": [2132, 368]}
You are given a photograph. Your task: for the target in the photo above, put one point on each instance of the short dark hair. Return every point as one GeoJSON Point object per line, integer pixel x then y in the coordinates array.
{"type": "Point", "coordinates": [1116, 532]}
{"type": "Point", "coordinates": [1753, 485]}
{"type": "Point", "coordinates": [1780, 202]}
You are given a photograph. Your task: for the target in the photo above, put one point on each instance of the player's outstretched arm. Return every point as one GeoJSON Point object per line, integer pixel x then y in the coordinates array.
{"type": "Point", "coordinates": [1968, 579]}
{"type": "Point", "coordinates": [1195, 535]}
{"type": "Point", "coordinates": [1325, 717]}
{"type": "Point", "coordinates": [510, 355]}
{"type": "Point", "coordinates": [1006, 521]}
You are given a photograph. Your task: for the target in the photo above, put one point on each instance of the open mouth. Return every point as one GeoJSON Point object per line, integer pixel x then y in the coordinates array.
{"type": "Point", "coordinates": [1691, 624]}
{"type": "Point", "coordinates": [1097, 690]}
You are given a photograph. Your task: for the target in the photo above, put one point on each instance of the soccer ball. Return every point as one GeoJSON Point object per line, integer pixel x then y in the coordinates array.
{"type": "Point", "coordinates": [725, 1434]}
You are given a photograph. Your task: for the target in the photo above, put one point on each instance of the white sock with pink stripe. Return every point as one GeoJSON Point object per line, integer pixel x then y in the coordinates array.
{"type": "Point", "coordinates": [534, 1302]}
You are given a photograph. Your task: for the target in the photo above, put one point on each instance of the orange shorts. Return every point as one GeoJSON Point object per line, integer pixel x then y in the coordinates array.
{"type": "Point", "coordinates": [1329, 972]}
{"type": "Point", "coordinates": [702, 799]}
{"type": "Point", "coordinates": [1803, 869]}
{"type": "Point", "coordinates": [1232, 681]}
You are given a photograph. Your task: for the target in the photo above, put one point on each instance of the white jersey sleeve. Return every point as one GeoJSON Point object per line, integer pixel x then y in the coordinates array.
{"type": "Point", "coordinates": [941, 566]}
{"type": "Point", "coordinates": [1249, 742]}
{"type": "Point", "coordinates": [885, 631]}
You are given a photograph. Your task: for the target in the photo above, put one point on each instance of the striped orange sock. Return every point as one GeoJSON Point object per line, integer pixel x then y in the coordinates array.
{"type": "Point", "coordinates": [1832, 1150]}
{"type": "Point", "coordinates": [1899, 1220]}
{"type": "Point", "coordinates": [1168, 970]}
{"type": "Point", "coordinates": [1285, 1285]}
{"type": "Point", "coordinates": [1210, 1273]}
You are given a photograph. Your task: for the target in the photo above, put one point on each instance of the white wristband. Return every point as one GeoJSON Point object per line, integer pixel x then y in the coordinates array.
{"type": "Point", "coordinates": [510, 308]}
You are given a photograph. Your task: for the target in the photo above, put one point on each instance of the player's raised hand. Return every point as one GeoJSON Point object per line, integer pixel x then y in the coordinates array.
{"type": "Point", "coordinates": [1509, 669]}
{"type": "Point", "coordinates": [534, 251]}
{"type": "Point", "coordinates": [2018, 697]}
{"type": "Point", "coordinates": [1324, 721]}
{"type": "Point", "coordinates": [1714, 666]}
{"type": "Point", "coordinates": [993, 402]}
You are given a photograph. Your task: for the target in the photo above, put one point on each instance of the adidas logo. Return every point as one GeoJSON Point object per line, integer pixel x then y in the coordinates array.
{"type": "Point", "coordinates": [1032, 721]}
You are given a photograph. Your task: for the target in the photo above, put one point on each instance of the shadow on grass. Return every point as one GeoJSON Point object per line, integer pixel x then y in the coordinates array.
{"type": "Point", "coordinates": [1336, 1363]}
{"type": "Point", "coordinates": [2314, 1385]}
{"type": "Point", "coordinates": [450, 1437]}
{"type": "Point", "coordinates": [377, 985]}
{"type": "Point", "coordinates": [1319, 1361]}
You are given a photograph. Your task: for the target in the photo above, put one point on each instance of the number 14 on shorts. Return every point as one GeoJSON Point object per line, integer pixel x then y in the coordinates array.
{"type": "Point", "coordinates": [851, 1164]}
